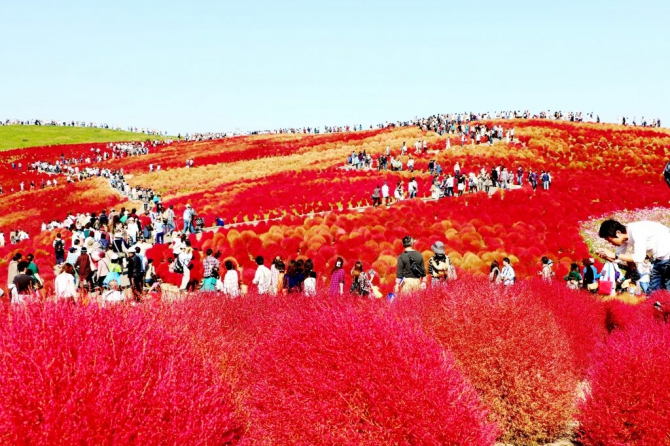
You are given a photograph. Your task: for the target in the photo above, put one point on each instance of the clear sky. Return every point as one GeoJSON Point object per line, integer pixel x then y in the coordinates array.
{"type": "Point", "coordinates": [223, 65]}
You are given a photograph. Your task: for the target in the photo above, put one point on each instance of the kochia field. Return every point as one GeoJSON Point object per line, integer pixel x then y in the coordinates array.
{"type": "Point", "coordinates": [469, 364]}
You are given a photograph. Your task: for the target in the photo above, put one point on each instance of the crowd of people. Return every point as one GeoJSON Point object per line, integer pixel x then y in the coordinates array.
{"type": "Point", "coordinates": [57, 123]}
{"type": "Point", "coordinates": [78, 168]}
{"type": "Point", "coordinates": [643, 122]}
{"type": "Point", "coordinates": [100, 262]}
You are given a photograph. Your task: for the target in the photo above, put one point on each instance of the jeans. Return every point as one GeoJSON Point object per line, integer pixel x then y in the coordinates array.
{"type": "Point", "coordinates": [660, 276]}
{"type": "Point", "coordinates": [188, 226]}
{"type": "Point", "coordinates": [159, 238]}
{"type": "Point", "coordinates": [645, 287]}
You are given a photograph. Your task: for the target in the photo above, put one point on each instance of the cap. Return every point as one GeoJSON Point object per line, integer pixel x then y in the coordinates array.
{"type": "Point", "coordinates": [438, 247]}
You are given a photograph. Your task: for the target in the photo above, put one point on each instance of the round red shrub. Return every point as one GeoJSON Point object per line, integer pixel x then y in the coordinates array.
{"type": "Point", "coordinates": [89, 375]}
{"type": "Point", "coordinates": [337, 373]}
{"type": "Point", "coordinates": [580, 316]}
{"type": "Point", "coordinates": [629, 398]}
{"type": "Point", "coordinates": [511, 349]}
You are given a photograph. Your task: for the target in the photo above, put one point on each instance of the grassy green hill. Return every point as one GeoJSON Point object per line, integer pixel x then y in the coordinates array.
{"type": "Point", "coordinates": [19, 136]}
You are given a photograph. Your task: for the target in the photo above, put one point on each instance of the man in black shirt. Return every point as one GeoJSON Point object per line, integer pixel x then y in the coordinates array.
{"type": "Point", "coordinates": [24, 283]}
{"type": "Point", "coordinates": [411, 270]}
{"type": "Point", "coordinates": [135, 275]}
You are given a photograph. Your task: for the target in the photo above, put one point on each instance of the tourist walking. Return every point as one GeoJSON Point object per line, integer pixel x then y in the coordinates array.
{"type": "Point", "coordinates": [411, 271]}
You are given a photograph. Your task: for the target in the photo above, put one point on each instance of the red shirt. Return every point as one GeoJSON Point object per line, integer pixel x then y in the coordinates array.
{"type": "Point", "coordinates": [145, 220]}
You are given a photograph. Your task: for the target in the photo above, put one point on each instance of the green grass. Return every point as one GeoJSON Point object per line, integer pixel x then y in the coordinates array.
{"type": "Point", "coordinates": [20, 136]}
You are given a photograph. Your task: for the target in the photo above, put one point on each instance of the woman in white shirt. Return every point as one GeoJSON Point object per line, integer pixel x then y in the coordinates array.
{"type": "Point", "coordinates": [185, 259]}
{"type": "Point", "coordinates": [64, 284]}
{"type": "Point", "coordinates": [399, 193]}
{"type": "Point", "coordinates": [231, 281]}
{"type": "Point", "coordinates": [507, 275]}
{"type": "Point", "coordinates": [133, 230]}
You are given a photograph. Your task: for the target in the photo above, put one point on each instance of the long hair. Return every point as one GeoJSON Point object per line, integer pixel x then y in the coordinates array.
{"type": "Point", "coordinates": [68, 269]}
{"type": "Point", "coordinates": [339, 263]}
{"type": "Point", "coordinates": [494, 265]}
{"type": "Point", "coordinates": [292, 269]}
{"type": "Point", "coordinates": [300, 266]}
{"type": "Point", "coordinates": [309, 266]}
{"type": "Point", "coordinates": [357, 270]}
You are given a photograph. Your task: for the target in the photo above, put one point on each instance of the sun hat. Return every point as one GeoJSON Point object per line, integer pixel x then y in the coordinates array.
{"type": "Point", "coordinates": [438, 247]}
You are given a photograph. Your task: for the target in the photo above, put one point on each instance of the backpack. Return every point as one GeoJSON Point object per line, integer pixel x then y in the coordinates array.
{"type": "Point", "coordinates": [666, 173]}
{"type": "Point", "coordinates": [59, 246]}
{"type": "Point", "coordinates": [414, 267]}
{"type": "Point", "coordinates": [177, 267]}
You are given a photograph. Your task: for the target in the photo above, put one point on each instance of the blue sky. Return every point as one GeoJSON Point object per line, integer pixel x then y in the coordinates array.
{"type": "Point", "coordinates": [219, 65]}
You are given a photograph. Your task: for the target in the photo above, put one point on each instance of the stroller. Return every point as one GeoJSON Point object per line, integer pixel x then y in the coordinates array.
{"type": "Point", "coordinates": [199, 224]}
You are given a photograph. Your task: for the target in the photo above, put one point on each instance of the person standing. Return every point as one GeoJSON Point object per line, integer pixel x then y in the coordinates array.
{"type": "Point", "coordinates": [84, 269]}
{"type": "Point", "coordinates": [263, 277]}
{"type": "Point", "coordinates": [209, 263]}
{"type": "Point", "coordinates": [24, 284]}
{"type": "Point", "coordinates": [309, 284]}
{"type": "Point", "coordinates": [385, 193]}
{"type": "Point", "coordinates": [413, 188]}
{"type": "Point", "coordinates": [188, 220]}
{"type": "Point", "coordinates": [184, 259]}
{"type": "Point", "coordinates": [376, 197]}
{"type": "Point", "coordinates": [546, 273]}
{"type": "Point", "coordinates": [411, 270]}
{"type": "Point", "coordinates": [159, 227]}
{"type": "Point", "coordinates": [438, 265]}
{"type": "Point", "coordinates": [33, 269]}
{"type": "Point", "coordinates": [169, 219]}
{"type": "Point", "coordinates": [135, 274]}
{"type": "Point", "coordinates": [13, 269]}
{"type": "Point", "coordinates": [59, 249]}
{"type": "Point", "coordinates": [642, 238]}
{"type": "Point", "coordinates": [337, 278]}
{"type": "Point", "coordinates": [573, 278]}
{"type": "Point", "coordinates": [64, 284]}
{"type": "Point", "coordinates": [113, 295]}
{"type": "Point", "coordinates": [231, 281]}
{"type": "Point", "coordinates": [507, 274]}
{"type": "Point", "coordinates": [360, 281]}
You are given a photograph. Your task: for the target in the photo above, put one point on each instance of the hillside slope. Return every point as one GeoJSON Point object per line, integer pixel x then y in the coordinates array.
{"type": "Point", "coordinates": [20, 136]}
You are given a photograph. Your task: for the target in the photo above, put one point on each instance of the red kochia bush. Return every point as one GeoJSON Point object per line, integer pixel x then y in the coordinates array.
{"type": "Point", "coordinates": [511, 348]}
{"type": "Point", "coordinates": [629, 401]}
{"type": "Point", "coordinates": [579, 315]}
{"type": "Point", "coordinates": [337, 373]}
{"type": "Point", "coordinates": [86, 375]}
